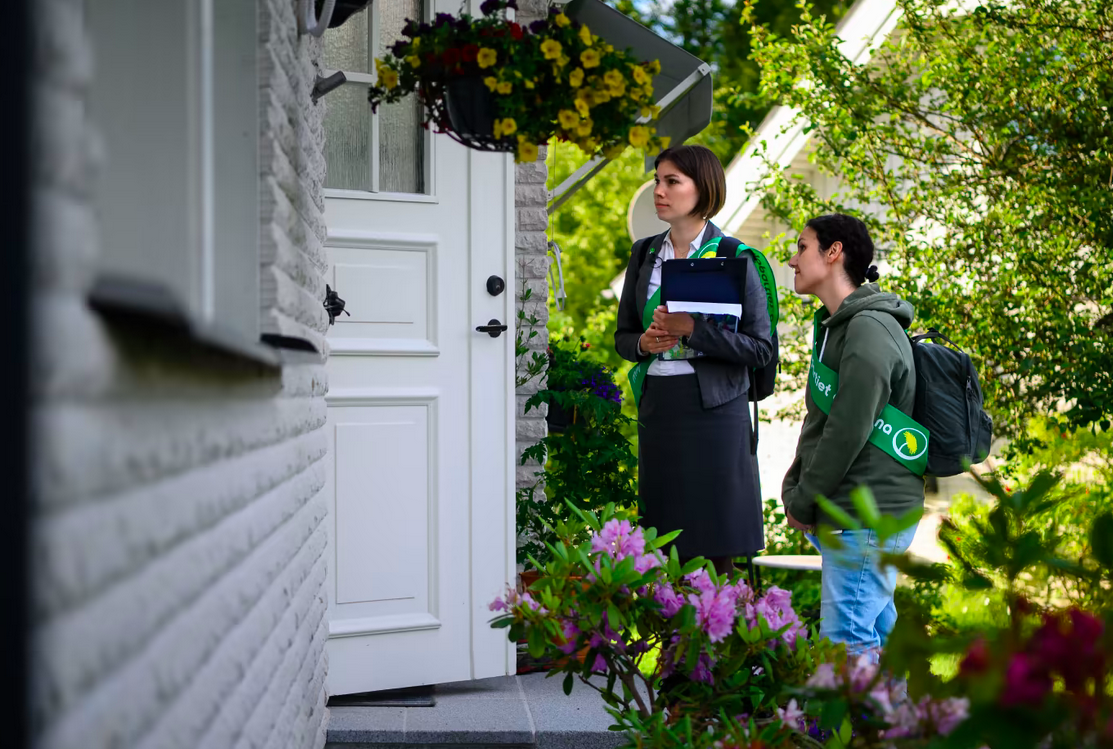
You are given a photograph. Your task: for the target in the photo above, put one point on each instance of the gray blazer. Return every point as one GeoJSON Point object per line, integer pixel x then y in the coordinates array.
{"type": "Point", "coordinates": [724, 370]}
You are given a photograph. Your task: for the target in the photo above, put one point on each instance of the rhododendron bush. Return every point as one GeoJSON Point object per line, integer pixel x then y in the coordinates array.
{"type": "Point", "coordinates": [649, 622]}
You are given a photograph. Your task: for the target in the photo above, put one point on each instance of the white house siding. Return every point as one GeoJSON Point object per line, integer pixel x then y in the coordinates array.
{"type": "Point", "coordinates": [532, 255]}
{"type": "Point", "coordinates": [178, 563]}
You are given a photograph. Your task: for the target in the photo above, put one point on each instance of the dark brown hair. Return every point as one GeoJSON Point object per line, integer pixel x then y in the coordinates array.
{"type": "Point", "coordinates": [857, 247]}
{"type": "Point", "coordinates": [701, 166]}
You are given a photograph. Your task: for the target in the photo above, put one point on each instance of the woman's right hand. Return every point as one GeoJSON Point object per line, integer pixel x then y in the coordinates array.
{"type": "Point", "coordinates": [657, 340]}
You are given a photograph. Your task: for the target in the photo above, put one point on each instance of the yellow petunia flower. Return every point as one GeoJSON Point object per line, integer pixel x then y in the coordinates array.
{"type": "Point", "coordinates": [487, 57]}
{"type": "Point", "coordinates": [585, 36]}
{"type": "Point", "coordinates": [582, 107]}
{"type": "Point", "coordinates": [589, 58]}
{"type": "Point", "coordinates": [576, 77]}
{"type": "Point", "coordinates": [568, 119]}
{"type": "Point", "coordinates": [639, 136]}
{"type": "Point", "coordinates": [563, 60]}
{"type": "Point", "coordinates": [416, 42]}
{"type": "Point", "coordinates": [654, 67]}
{"type": "Point", "coordinates": [551, 49]}
{"type": "Point", "coordinates": [414, 61]}
{"type": "Point", "coordinates": [613, 152]}
{"type": "Point", "coordinates": [388, 79]}
{"type": "Point", "coordinates": [562, 20]}
{"type": "Point", "coordinates": [526, 151]}
{"type": "Point", "coordinates": [655, 111]}
{"type": "Point", "coordinates": [637, 94]}
{"type": "Point", "coordinates": [530, 84]}
{"type": "Point", "coordinates": [613, 78]}
{"type": "Point", "coordinates": [616, 90]}
{"type": "Point", "coordinates": [505, 87]}
{"type": "Point", "coordinates": [640, 76]}
{"type": "Point", "coordinates": [585, 128]}
{"type": "Point", "coordinates": [664, 142]}
{"type": "Point", "coordinates": [491, 82]}
{"type": "Point", "coordinates": [509, 126]}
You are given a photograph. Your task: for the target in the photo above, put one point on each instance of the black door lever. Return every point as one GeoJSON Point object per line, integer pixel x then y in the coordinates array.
{"type": "Point", "coordinates": [493, 328]}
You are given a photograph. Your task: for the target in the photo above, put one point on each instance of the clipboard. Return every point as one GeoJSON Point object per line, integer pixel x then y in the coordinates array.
{"type": "Point", "coordinates": [711, 285]}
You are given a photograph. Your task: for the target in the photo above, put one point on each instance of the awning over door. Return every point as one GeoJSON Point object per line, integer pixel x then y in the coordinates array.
{"type": "Point", "coordinates": [683, 87]}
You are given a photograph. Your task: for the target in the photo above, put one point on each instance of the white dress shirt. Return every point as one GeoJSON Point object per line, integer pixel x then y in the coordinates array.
{"type": "Point", "coordinates": [659, 367]}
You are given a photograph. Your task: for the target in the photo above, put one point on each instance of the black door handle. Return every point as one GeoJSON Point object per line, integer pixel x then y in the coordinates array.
{"type": "Point", "coordinates": [493, 328]}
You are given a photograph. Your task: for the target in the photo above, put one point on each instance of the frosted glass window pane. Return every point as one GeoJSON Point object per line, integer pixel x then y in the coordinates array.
{"type": "Point", "coordinates": [401, 147]}
{"type": "Point", "coordinates": [348, 138]}
{"type": "Point", "coordinates": [401, 138]}
{"type": "Point", "coordinates": [346, 46]}
{"type": "Point", "coordinates": [392, 19]}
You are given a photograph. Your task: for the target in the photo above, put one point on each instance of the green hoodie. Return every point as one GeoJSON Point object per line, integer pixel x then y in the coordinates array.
{"type": "Point", "coordinates": [866, 344]}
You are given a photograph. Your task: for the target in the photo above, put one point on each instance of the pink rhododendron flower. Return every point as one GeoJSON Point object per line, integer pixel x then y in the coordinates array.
{"type": "Point", "coordinates": [619, 539]}
{"type": "Point", "coordinates": [716, 611]}
{"type": "Point", "coordinates": [497, 605]}
{"type": "Point", "coordinates": [791, 715]}
{"type": "Point", "coordinates": [824, 677]}
{"type": "Point", "coordinates": [599, 665]}
{"type": "Point", "coordinates": [1026, 682]}
{"type": "Point", "coordinates": [671, 601]}
{"type": "Point", "coordinates": [863, 670]}
{"type": "Point", "coordinates": [702, 671]}
{"type": "Point", "coordinates": [701, 581]}
{"type": "Point", "coordinates": [947, 714]}
{"type": "Point", "coordinates": [570, 631]}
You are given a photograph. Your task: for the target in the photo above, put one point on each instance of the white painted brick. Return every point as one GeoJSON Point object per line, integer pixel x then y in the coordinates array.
{"type": "Point", "coordinates": [81, 552]}
{"type": "Point", "coordinates": [61, 45]}
{"type": "Point", "coordinates": [529, 243]}
{"type": "Point", "coordinates": [66, 247]}
{"type": "Point", "coordinates": [60, 141]}
{"type": "Point", "coordinates": [179, 532]}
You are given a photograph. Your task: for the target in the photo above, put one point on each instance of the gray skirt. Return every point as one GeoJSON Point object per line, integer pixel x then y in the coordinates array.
{"type": "Point", "coordinates": [695, 470]}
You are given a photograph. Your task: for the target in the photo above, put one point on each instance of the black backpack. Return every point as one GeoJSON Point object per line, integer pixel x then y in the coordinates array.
{"type": "Point", "coordinates": [949, 405]}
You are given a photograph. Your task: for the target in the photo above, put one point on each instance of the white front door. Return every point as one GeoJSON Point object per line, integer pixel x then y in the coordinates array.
{"type": "Point", "coordinates": [420, 404]}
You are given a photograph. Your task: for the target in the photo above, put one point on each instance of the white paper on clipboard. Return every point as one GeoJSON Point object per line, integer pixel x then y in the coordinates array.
{"type": "Point", "coordinates": [707, 308]}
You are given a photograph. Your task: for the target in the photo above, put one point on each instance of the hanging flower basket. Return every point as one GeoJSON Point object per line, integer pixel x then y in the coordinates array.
{"type": "Point", "coordinates": [494, 85]}
{"type": "Point", "coordinates": [342, 11]}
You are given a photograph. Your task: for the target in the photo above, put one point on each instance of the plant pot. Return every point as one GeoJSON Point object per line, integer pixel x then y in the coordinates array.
{"type": "Point", "coordinates": [470, 107]}
{"type": "Point", "coordinates": [344, 10]}
{"type": "Point", "coordinates": [559, 418]}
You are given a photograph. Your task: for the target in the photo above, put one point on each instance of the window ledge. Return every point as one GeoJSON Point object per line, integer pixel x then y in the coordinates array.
{"type": "Point", "coordinates": [152, 308]}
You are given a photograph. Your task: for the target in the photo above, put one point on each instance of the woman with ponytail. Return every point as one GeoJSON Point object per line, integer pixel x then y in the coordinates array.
{"type": "Point", "coordinates": [862, 381]}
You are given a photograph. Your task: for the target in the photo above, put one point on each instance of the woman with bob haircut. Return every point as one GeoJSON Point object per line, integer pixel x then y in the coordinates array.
{"type": "Point", "coordinates": [862, 374]}
{"type": "Point", "coordinates": [695, 468]}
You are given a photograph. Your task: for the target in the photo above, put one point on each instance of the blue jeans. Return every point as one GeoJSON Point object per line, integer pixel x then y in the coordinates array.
{"type": "Point", "coordinates": [856, 604]}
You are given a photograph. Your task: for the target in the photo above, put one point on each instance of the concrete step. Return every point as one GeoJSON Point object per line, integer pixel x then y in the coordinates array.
{"type": "Point", "coordinates": [507, 712]}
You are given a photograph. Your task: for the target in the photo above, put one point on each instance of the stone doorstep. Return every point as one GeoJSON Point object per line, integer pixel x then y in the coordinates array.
{"type": "Point", "coordinates": [507, 712]}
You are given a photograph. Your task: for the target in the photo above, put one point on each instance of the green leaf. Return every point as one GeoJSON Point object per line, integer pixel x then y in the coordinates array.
{"type": "Point", "coordinates": [568, 678]}
{"type": "Point", "coordinates": [864, 503]}
{"type": "Point", "coordinates": [838, 514]}
{"type": "Point", "coordinates": [833, 713]}
{"type": "Point", "coordinates": [1101, 540]}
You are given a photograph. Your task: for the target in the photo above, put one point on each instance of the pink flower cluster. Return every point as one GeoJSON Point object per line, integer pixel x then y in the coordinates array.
{"type": "Point", "coordinates": [906, 719]}
{"type": "Point", "coordinates": [618, 539]}
{"type": "Point", "coordinates": [515, 599]}
{"type": "Point", "coordinates": [1067, 646]}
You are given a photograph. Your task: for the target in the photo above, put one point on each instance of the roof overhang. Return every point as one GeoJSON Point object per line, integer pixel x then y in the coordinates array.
{"type": "Point", "coordinates": [861, 31]}
{"type": "Point", "coordinates": [683, 85]}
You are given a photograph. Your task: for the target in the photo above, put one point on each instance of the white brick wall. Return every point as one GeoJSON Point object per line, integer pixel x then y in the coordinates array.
{"type": "Point", "coordinates": [531, 253]}
{"type": "Point", "coordinates": [178, 551]}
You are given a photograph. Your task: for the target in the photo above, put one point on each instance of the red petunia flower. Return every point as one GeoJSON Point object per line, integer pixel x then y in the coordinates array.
{"type": "Point", "coordinates": [451, 56]}
{"type": "Point", "coordinates": [471, 51]}
{"type": "Point", "coordinates": [515, 31]}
